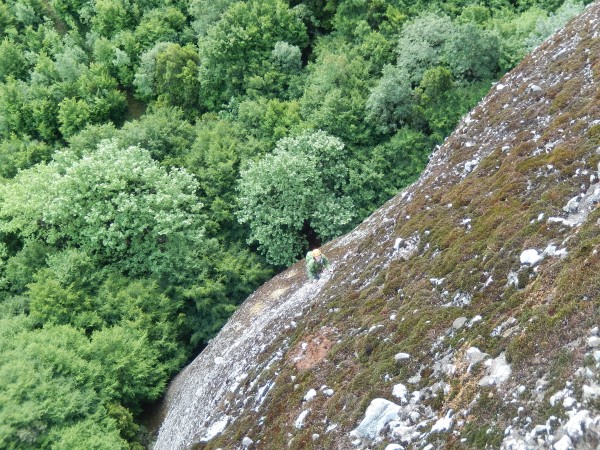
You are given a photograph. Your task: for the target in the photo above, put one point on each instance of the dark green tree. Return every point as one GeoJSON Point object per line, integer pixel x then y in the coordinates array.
{"type": "Point", "coordinates": [21, 153]}
{"type": "Point", "coordinates": [168, 73]}
{"type": "Point", "coordinates": [164, 132]}
{"type": "Point", "coordinates": [50, 389]}
{"type": "Point", "coordinates": [240, 45]}
{"type": "Point", "coordinates": [337, 88]}
{"type": "Point", "coordinates": [12, 61]}
{"type": "Point", "coordinates": [421, 44]}
{"type": "Point", "coordinates": [472, 54]}
{"type": "Point", "coordinates": [111, 16]}
{"type": "Point", "coordinates": [391, 102]}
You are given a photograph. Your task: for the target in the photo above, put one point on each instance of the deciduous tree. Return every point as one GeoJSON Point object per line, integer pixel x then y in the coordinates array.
{"type": "Point", "coordinates": [293, 192]}
{"type": "Point", "coordinates": [116, 204]}
{"type": "Point", "coordinates": [239, 47]}
{"type": "Point", "coordinates": [391, 101]}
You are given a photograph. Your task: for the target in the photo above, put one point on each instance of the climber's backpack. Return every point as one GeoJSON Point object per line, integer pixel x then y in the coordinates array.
{"type": "Point", "coordinates": [309, 257]}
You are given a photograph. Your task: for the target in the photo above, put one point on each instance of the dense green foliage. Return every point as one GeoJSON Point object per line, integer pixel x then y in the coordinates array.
{"type": "Point", "coordinates": [298, 189]}
{"type": "Point", "coordinates": [159, 160]}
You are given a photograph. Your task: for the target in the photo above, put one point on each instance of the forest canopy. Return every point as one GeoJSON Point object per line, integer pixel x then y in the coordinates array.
{"type": "Point", "coordinates": [159, 160]}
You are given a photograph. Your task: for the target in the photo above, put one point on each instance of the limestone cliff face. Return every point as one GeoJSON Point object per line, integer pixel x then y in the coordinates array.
{"type": "Point", "coordinates": [462, 314]}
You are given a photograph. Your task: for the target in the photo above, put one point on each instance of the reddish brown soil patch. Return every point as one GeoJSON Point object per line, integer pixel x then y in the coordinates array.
{"type": "Point", "coordinates": [311, 351]}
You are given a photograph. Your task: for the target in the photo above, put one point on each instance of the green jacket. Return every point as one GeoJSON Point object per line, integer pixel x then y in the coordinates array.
{"type": "Point", "coordinates": [313, 267]}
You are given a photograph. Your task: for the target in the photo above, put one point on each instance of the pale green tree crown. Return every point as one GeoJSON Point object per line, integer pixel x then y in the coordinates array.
{"type": "Point", "coordinates": [301, 182]}
{"type": "Point", "coordinates": [117, 204]}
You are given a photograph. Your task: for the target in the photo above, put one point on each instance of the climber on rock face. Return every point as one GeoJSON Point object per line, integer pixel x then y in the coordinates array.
{"type": "Point", "coordinates": [316, 262]}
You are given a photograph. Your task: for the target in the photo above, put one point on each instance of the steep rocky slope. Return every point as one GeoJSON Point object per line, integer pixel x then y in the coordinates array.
{"type": "Point", "coordinates": [462, 314]}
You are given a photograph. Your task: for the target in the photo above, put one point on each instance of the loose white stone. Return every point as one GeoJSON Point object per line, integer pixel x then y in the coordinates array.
{"type": "Point", "coordinates": [474, 320]}
{"type": "Point", "coordinates": [414, 416]}
{"type": "Point", "coordinates": [576, 424]}
{"type": "Point", "coordinates": [247, 442]}
{"type": "Point", "coordinates": [499, 371]}
{"type": "Point", "coordinates": [394, 447]}
{"type": "Point", "coordinates": [593, 341]}
{"type": "Point", "coordinates": [569, 402]}
{"type": "Point", "coordinates": [415, 397]}
{"type": "Point", "coordinates": [315, 437]}
{"type": "Point", "coordinates": [594, 331]}
{"type": "Point", "coordinates": [572, 205]}
{"type": "Point", "coordinates": [470, 165]}
{"type": "Point", "coordinates": [560, 220]}
{"type": "Point", "coordinates": [460, 299]}
{"type": "Point", "coordinates": [328, 392]}
{"type": "Point", "coordinates": [530, 256]}
{"type": "Point", "coordinates": [400, 391]}
{"type": "Point", "coordinates": [401, 356]}
{"type": "Point", "coordinates": [591, 392]}
{"type": "Point", "coordinates": [215, 429]}
{"type": "Point", "coordinates": [459, 322]}
{"type": "Point", "coordinates": [563, 444]}
{"type": "Point", "coordinates": [557, 397]}
{"type": "Point", "coordinates": [379, 413]}
{"type": "Point", "coordinates": [300, 420]}
{"type": "Point", "coordinates": [310, 395]}
{"type": "Point", "coordinates": [444, 424]}
{"type": "Point", "coordinates": [474, 355]}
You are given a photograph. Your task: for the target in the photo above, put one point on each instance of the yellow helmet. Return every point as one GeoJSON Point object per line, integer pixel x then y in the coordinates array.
{"type": "Point", "coordinates": [316, 252]}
